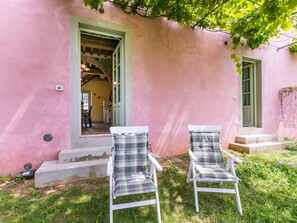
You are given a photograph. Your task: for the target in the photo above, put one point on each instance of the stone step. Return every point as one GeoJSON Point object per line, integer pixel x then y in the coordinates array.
{"type": "Point", "coordinates": [250, 131]}
{"type": "Point", "coordinates": [249, 139]}
{"type": "Point", "coordinates": [92, 141]}
{"type": "Point", "coordinates": [84, 154]}
{"type": "Point", "coordinates": [52, 173]}
{"type": "Point", "coordinates": [261, 147]}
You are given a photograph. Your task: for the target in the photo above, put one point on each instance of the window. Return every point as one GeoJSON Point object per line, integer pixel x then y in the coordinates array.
{"type": "Point", "coordinates": [85, 100]}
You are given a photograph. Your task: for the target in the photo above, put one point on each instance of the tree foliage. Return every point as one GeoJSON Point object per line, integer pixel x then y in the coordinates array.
{"type": "Point", "coordinates": [293, 48]}
{"type": "Point", "coordinates": [251, 22]}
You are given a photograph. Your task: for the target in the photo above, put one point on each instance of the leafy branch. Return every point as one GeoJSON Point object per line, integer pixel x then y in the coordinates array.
{"type": "Point", "coordinates": [249, 22]}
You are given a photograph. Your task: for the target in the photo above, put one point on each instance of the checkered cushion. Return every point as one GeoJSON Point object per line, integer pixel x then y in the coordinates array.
{"type": "Point", "coordinates": [128, 184]}
{"type": "Point", "coordinates": [213, 172]}
{"type": "Point", "coordinates": [206, 147]}
{"type": "Point", "coordinates": [131, 153]}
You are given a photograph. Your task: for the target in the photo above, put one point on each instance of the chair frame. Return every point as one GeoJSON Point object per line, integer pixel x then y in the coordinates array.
{"type": "Point", "coordinates": [229, 165]}
{"type": "Point", "coordinates": [154, 166]}
{"type": "Point", "coordinates": [88, 117]}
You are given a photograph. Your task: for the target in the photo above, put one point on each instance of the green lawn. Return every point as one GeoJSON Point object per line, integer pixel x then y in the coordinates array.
{"type": "Point", "coordinates": [268, 190]}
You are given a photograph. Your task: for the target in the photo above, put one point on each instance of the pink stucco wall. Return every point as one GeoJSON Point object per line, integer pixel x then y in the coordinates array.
{"type": "Point", "coordinates": [179, 76]}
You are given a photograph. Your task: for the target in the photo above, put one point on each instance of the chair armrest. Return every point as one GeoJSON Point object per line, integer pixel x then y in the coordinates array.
{"type": "Point", "coordinates": [231, 157]}
{"type": "Point", "coordinates": [109, 166]}
{"type": "Point", "coordinates": [192, 155]}
{"type": "Point", "coordinates": [155, 163]}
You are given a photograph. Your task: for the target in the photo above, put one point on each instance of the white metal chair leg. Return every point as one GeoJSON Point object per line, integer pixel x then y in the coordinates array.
{"type": "Point", "coordinates": [110, 200]}
{"type": "Point", "coordinates": [195, 188]}
{"type": "Point", "coordinates": [157, 195]}
{"type": "Point", "coordinates": [111, 215]}
{"type": "Point", "coordinates": [158, 207]}
{"type": "Point", "coordinates": [189, 172]}
{"type": "Point", "coordinates": [238, 198]}
{"type": "Point", "coordinates": [196, 196]}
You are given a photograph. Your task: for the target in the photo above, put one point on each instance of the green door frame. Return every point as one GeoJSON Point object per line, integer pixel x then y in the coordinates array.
{"type": "Point", "coordinates": [77, 23]}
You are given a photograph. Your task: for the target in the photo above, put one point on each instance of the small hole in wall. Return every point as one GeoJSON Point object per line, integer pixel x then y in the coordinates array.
{"type": "Point", "coordinates": [27, 166]}
{"type": "Point", "coordinates": [48, 137]}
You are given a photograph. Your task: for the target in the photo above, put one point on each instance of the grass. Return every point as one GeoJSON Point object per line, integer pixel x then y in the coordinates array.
{"type": "Point", "coordinates": [268, 190]}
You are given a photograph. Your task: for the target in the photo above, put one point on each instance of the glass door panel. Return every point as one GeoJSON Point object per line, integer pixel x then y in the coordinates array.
{"type": "Point", "coordinates": [248, 95]}
{"type": "Point", "coordinates": [116, 75]}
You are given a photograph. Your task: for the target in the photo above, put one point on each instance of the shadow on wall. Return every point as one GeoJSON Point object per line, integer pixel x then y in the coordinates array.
{"type": "Point", "coordinates": [172, 136]}
{"type": "Point", "coordinates": [287, 130]}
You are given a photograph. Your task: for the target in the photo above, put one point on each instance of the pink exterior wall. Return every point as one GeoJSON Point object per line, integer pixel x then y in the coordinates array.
{"type": "Point", "coordinates": [179, 76]}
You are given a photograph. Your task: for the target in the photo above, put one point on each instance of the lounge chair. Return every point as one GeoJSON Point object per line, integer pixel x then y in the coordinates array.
{"type": "Point", "coordinates": [131, 169]}
{"type": "Point", "coordinates": [207, 164]}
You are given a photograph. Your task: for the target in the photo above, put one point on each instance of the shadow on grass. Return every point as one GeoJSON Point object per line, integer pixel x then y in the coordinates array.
{"type": "Point", "coordinates": [268, 193]}
{"type": "Point", "coordinates": [179, 197]}
{"type": "Point", "coordinates": [73, 204]}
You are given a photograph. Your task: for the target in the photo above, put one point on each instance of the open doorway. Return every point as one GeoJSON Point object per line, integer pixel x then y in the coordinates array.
{"type": "Point", "coordinates": [100, 82]}
{"type": "Point", "coordinates": [103, 31]}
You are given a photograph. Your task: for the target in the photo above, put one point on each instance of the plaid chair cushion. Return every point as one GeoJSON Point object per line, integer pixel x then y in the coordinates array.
{"type": "Point", "coordinates": [206, 147]}
{"type": "Point", "coordinates": [213, 172]}
{"type": "Point", "coordinates": [130, 153]}
{"type": "Point", "coordinates": [128, 184]}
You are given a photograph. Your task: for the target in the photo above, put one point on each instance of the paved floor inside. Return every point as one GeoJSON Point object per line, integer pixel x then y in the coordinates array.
{"type": "Point", "coordinates": [97, 128]}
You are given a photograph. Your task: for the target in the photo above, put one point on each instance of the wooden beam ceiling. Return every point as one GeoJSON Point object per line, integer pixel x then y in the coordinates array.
{"type": "Point", "coordinates": [99, 43]}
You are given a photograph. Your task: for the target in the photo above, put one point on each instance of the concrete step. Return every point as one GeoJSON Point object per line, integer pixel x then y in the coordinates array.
{"type": "Point", "coordinates": [248, 139]}
{"type": "Point", "coordinates": [261, 147]}
{"type": "Point", "coordinates": [92, 141]}
{"type": "Point", "coordinates": [250, 131]}
{"type": "Point", "coordinates": [84, 154]}
{"type": "Point", "coordinates": [53, 173]}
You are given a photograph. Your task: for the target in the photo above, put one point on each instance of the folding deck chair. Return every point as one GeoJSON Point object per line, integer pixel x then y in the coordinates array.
{"type": "Point", "coordinates": [131, 169]}
{"type": "Point", "coordinates": [207, 164]}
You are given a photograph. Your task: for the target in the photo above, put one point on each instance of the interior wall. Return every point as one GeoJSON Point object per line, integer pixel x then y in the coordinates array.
{"type": "Point", "coordinates": [100, 90]}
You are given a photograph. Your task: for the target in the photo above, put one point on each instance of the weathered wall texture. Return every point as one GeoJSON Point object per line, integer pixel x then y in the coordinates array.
{"type": "Point", "coordinates": [34, 58]}
{"type": "Point", "coordinates": [179, 76]}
